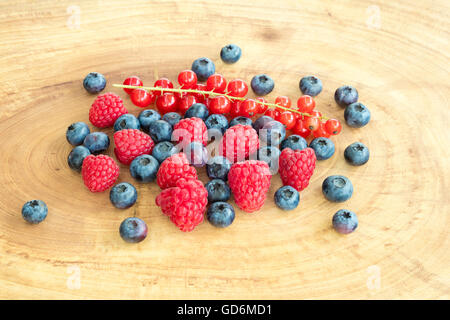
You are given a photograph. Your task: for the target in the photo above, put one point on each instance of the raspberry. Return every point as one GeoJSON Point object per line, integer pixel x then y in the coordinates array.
{"type": "Point", "coordinates": [190, 130]}
{"type": "Point", "coordinates": [99, 172]}
{"type": "Point", "coordinates": [184, 203]}
{"type": "Point", "coordinates": [296, 167]}
{"type": "Point", "coordinates": [131, 143]}
{"type": "Point", "coordinates": [249, 182]}
{"type": "Point", "coordinates": [174, 168]}
{"type": "Point", "coordinates": [239, 142]}
{"type": "Point", "coordinates": [106, 109]}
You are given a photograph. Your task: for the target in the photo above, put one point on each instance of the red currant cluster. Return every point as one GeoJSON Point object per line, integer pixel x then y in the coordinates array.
{"type": "Point", "coordinates": [229, 99]}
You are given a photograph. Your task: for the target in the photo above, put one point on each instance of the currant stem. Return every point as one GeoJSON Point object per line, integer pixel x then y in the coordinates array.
{"type": "Point", "coordinates": [179, 90]}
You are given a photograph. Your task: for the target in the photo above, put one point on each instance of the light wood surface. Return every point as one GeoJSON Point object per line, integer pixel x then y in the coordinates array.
{"type": "Point", "coordinates": [395, 53]}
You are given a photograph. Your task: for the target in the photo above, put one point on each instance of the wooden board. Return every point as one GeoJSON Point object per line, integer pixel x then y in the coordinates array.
{"type": "Point", "coordinates": [395, 53]}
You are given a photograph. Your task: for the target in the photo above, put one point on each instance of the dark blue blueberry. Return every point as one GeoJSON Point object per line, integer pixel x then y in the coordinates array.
{"type": "Point", "coordinates": [196, 154]}
{"type": "Point", "coordinates": [287, 198]}
{"type": "Point", "coordinates": [262, 84]}
{"type": "Point", "coordinates": [337, 188]}
{"type": "Point", "coordinates": [34, 211]}
{"type": "Point", "coordinates": [310, 85]}
{"type": "Point", "coordinates": [218, 168]}
{"type": "Point", "coordinates": [148, 116]}
{"type": "Point", "coordinates": [160, 130]}
{"type": "Point", "coordinates": [357, 154]}
{"type": "Point", "coordinates": [197, 110]}
{"type": "Point", "coordinates": [144, 168]}
{"type": "Point", "coordinates": [323, 148]}
{"type": "Point", "coordinates": [163, 150]}
{"type": "Point", "coordinates": [345, 95]}
{"type": "Point", "coordinates": [270, 155]}
{"type": "Point", "coordinates": [241, 120]}
{"type": "Point", "coordinates": [295, 142]}
{"type": "Point", "coordinates": [220, 214]}
{"type": "Point", "coordinates": [230, 53]}
{"type": "Point", "coordinates": [76, 133]}
{"type": "Point", "coordinates": [203, 68]}
{"type": "Point", "coordinates": [94, 82]}
{"type": "Point", "coordinates": [133, 230]}
{"type": "Point", "coordinates": [357, 115]}
{"type": "Point", "coordinates": [96, 142]}
{"type": "Point", "coordinates": [260, 122]}
{"type": "Point", "coordinates": [217, 124]}
{"type": "Point", "coordinates": [172, 118]}
{"type": "Point", "coordinates": [76, 157]}
{"type": "Point", "coordinates": [126, 121]}
{"type": "Point", "coordinates": [345, 221]}
{"type": "Point", "coordinates": [218, 190]}
{"type": "Point", "coordinates": [123, 195]}
{"type": "Point", "coordinates": [272, 133]}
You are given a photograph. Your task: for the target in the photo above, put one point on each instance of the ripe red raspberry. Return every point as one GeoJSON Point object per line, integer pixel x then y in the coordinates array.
{"type": "Point", "coordinates": [174, 168]}
{"type": "Point", "coordinates": [249, 182]}
{"type": "Point", "coordinates": [296, 167]}
{"type": "Point", "coordinates": [106, 109]}
{"type": "Point", "coordinates": [185, 203]}
{"type": "Point", "coordinates": [131, 143]}
{"type": "Point", "coordinates": [239, 142]}
{"type": "Point", "coordinates": [190, 130]}
{"type": "Point", "coordinates": [99, 172]}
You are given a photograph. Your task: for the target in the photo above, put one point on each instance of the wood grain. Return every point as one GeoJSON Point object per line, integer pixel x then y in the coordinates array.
{"type": "Point", "coordinates": [400, 65]}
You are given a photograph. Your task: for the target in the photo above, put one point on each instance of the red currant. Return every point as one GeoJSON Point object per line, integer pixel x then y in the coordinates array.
{"type": "Point", "coordinates": [187, 79]}
{"type": "Point", "coordinates": [216, 83]}
{"type": "Point", "coordinates": [166, 103]}
{"type": "Point", "coordinates": [306, 104]}
{"type": "Point", "coordinates": [235, 109]}
{"type": "Point", "coordinates": [283, 101]}
{"type": "Point", "coordinates": [249, 108]}
{"type": "Point", "coordinates": [301, 129]}
{"type": "Point", "coordinates": [312, 123]}
{"type": "Point", "coordinates": [333, 126]}
{"type": "Point", "coordinates": [261, 107]}
{"type": "Point", "coordinates": [219, 104]}
{"type": "Point", "coordinates": [132, 81]}
{"type": "Point", "coordinates": [321, 132]}
{"type": "Point", "coordinates": [237, 88]}
{"type": "Point", "coordinates": [162, 83]}
{"type": "Point", "coordinates": [142, 98]}
{"type": "Point", "coordinates": [200, 97]}
{"type": "Point", "coordinates": [272, 113]}
{"type": "Point", "coordinates": [185, 103]}
{"type": "Point", "coordinates": [287, 118]}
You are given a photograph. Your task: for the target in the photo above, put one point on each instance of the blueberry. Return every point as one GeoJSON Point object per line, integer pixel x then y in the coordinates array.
{"type": "Point", "coordinates": [133, 230]}
{"type": "Point", "coordinates": [262, 84]}
{"type": "Point", "coordinates": [76, 133]}
{"type": "Point", "coordinates": [270, 155]}
{"type": "Point", "coordinates": [123, 195]}
{"type": "Point", "coordinates": [217, 124]}
{"type": "Point", "coordinates": [96, 142]}
{"type": "Point", "coordinates": [218, 190]}
{"type": "Point", "coordinates": [260, 122]}
{"type": "Point", "coordinates": [34, 211]}
{"type": "Point", "coordinates": [196, 154]}
{"type": "Point", "coordinates": [160, 130]}
{"type": "Point", "coordinates": [76, 157]}
{"type": "Point", "coordinates": [197, 110]}
{"type": "Point", "coordinates": [357, 154]}
{"type": "Point", "coordinates": [287, 198]}
{"type": "Point", "coordinates": [126, 121]}
{"type": "Point", "coordinates": [203, 68]}
{"type": "Point", "coordinates": [172, 118]}
{"type": "Point", "coordinates": [94, 82]}
{"type": "Point", "coordinates": [357, 115]}
{"type": "Point", "coordinates": [163, 150]}
{"type": "Point", "coordinates": [272, 133]}
{"type": "Point", "coordinates": [337, 188]}
{"type": "Point", "coordinates": [220, 214]}
{"type": "Point", "coordinates": [345, 221]}
{"type": "Point", "coordinates": [241, 120]}
{"type": "Point", "coordinates": [345, 95]}
{"type": "Point", "coordinates": [148, 116]}
{"type": "Point", "coordinates": [310, 85]}
{"type": "Point", "coordinates": [294, 142]}
{"type": "Point", "coordinates": [323, 148]}
{"type": "Point", "coordinates": [144, 168]}
{"type": "Point", "coordinates": [218, 168]}
{"type": "Point", "coordinates": [230, 53]}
